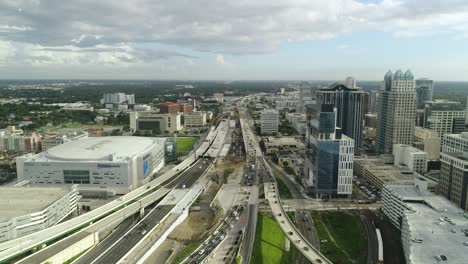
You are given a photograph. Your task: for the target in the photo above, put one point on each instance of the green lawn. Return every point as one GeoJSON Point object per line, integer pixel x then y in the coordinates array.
{"type": "Point", "coordinates": [186, 252]}
{"type": "Point", "coordinates": [185, 144]}
{"type": "Point", "coordinates": [348, 233]}
{"type": "Point", "coordinates": [269, 243]}
{"type": "Point", "coordinates": [283, 189]}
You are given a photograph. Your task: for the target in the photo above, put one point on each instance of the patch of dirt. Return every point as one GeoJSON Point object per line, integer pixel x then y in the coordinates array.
{"type": "Point", "coordinates": [197, 225]}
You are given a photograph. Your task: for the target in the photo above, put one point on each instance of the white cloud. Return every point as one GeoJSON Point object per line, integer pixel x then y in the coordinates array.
{"type": "Point", "coordinates": [220, 59]}
{"type": "Point", "coordinates": [117, 30]}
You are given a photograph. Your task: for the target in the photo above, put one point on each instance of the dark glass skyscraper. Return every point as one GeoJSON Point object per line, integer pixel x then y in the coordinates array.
{"type": "Point", "coordinates": [350, 104]}
{"type": "Point", "coordinates": [329, 154]}
{"type": "Point", "coordinates": [424, 91]}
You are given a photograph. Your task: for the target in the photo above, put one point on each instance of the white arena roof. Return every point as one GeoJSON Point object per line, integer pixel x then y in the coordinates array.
{"type": "Point", "coordinates": [102, 148]}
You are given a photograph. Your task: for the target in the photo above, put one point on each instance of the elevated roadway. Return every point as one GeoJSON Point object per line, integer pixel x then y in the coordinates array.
{"type": "Point", "coordinates": [125, 206]}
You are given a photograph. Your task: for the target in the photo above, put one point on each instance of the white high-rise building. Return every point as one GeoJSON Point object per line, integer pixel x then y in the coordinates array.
{"type": "Point", "coordinates": [396, 111]}
{"type": "Point", "coordinates": [269, 120]}
{"type": "Point", "coordinates": [350, 82]}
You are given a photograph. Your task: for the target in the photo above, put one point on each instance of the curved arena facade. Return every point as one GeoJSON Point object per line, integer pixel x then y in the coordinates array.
{"type": "Point", "coordinates": [101, 166]}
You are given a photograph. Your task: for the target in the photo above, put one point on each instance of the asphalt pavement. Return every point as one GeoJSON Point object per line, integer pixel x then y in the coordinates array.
{"type": "Point", "coordinates": [116, 234]}
{"type": "Point", "coordinates": [114, 253]}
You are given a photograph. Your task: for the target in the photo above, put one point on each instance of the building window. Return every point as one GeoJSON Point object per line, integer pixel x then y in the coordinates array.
{"type": "Point", "coordinates": [76, 176]}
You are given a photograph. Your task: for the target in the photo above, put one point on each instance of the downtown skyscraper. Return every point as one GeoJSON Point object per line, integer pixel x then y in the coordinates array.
{"type": "Point", "coordinates": [424, 91]}
{"type": "Point", "coordinates": [350, 104]}
{"type": "Point", "coordinates": [328, 163]}
{"type": "Point", "coordinates": [396, 111]}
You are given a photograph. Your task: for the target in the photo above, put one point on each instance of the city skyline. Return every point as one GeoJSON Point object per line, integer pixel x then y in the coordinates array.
{"type": "Point", "coordinates": [268, 40]}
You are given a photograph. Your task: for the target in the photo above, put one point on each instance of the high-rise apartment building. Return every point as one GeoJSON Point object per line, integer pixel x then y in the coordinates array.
{"type": "Point", "coordinates": [396, 111]}
{"type": "Point", "coordinates": [350, 109]}
{"type": "Point", "coordinates": [444, 117]}
{"type": "Point", "coordinates": [453, 182]}
{"type": "Point", "coordinates": [269, 119]}
{"type": "Point", "coordinates": [424, 91]}
{"type": "Point", "coordinates": [328, 165]}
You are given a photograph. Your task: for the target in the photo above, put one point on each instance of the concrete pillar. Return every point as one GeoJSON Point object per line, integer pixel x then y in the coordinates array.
{"type": "Point", "coordinates": [142, 212]}
{"type": "Point", "coordinates": [96, 238]}
{"type": "Point", "coordinates": [287, 245]}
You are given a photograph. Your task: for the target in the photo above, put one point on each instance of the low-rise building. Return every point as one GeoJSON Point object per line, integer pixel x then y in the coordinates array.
{"type": "Point", "coordinates": [269, 121]}
{"type": "Point", "coordinates": [20, 143]}
{"type": "Point", "coordinates": [429, 141]}
{"type": "Point", "coordinates": [219, 97]}
{"type": "Point", "coordinates": [154, 122]}
{"type": "Point", "coordinates": [49, 142]}
{"type": "Point", "coordinates": [168, 108]}
{"type": "Point", "coordinates": [195, 119]}
{"type": "Point", "coordinates": [411, 157]}
{"type": "Point", "coordinates": [25, 210]}
{"type": "Point", "coordinates": [381, 170]}
{"type": "Point", "coordinates": [431, 227]}
{"type": "Point", "coordinates": [295, 161]}
{"type": "Point", "coordinates": [277, 144]}
{"type": "Point", "coordinates": [186, 108]}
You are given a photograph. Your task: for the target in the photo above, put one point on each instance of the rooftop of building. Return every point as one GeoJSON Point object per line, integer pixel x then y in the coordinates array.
{"type": "Point", "coordinates": [118, 148]}
{"type": "Point", "coordinates": [169, 104]}
{"type": "Point", "coordinates": [339, 87]}
{"type": "Point", "coordinates": [282, 140]}
{"type": "Point", "coordinates": [463, 135]}
{"type": "Point", "coordinates": [19, 201]}
{"type": "Point", "coordinates": [430, 219]}
{"type": "Point", "coordinates": [270, 111]}
{"type": "Point", "coordinates": [459, 155]}
{"type": "Point", "coordinates": [385, 170]}
{"type": "Point", "coordinates": [409, 148]}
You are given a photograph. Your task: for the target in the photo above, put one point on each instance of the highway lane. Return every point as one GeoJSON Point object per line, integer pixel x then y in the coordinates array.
{"type": "Point", "coordinates": [12, 248]}
{"type": "Point", "coordinates": [252, 213]}
{"type": "Point", "coordinates": [372, 241]}
{"type": "Point", "coordinates": [116, 234]}
{"type": "Point", "coordinates": [114, 253]}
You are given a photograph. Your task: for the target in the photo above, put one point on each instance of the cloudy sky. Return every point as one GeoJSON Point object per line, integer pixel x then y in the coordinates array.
{"type": "Point", "coordinates": [226, 39]}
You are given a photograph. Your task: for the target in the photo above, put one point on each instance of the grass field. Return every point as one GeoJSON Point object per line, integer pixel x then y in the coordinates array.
{"type": "Point", "coordinates": [269, 243]}
{"type": "Point", "coordinates": [283, 189]}
{"type": "Point", "coordinates": [185, 144]}
{"type": "Point", "coordinates": [347, 231]}
{"type": "Point", "coordinates": [186, 252]}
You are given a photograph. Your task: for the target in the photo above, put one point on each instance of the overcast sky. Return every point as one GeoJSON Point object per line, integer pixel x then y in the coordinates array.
{"type": "Point", "coordinates": [232, 39]}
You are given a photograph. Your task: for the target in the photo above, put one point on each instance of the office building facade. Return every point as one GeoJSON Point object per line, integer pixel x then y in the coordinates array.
{"type": "Point", "coordinates": [411, 157]}
{"type": "Point", "coordinates": [155, 122]}
{"type": "Point", "coordinates": [453, 182]}
{"type": "Point", "coordinates": [444, 117]}
{"type": "Point", "coordinates": [269, 121]}
{"type": "Point", "coordinates": [396, 111]}
{"type": "Point", "coordinates": [350, 109]}
{"type": "Point", "coordinates": [328, 163]}
{"type": "Point", "coordinates": [424, 92]}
